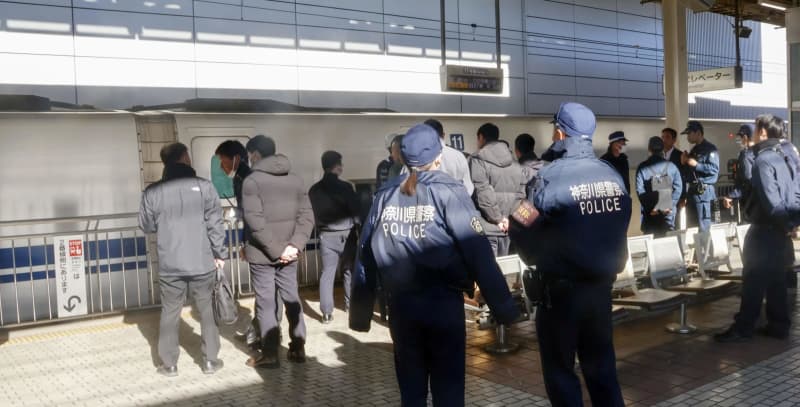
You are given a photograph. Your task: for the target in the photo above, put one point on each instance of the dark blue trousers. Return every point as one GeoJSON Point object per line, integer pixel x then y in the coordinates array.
{"type": "Point", "coordinates": [698, 213]}
{"type": "Point", "coordinates": [767, 253]}
{"type": "Point", "coordinates": [578, 322]}
{"type": "Point", "coordinates": [429, 346]}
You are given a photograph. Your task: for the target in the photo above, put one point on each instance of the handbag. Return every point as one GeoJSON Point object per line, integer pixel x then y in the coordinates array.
{"type": "Point", "coordinates": [226, 310]}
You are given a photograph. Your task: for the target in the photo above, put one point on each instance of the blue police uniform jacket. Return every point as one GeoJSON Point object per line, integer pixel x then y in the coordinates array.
{"type": "Point", "coordinates": [706, 171]}
{"type": "Point", "coordinates": [584, 211]}
{"type": "Point", "coordinates": [432, 241]}
{"type": "Point", "coordinates": [744, 173]}
{"type": "Point", "coordinates": [771, 182]}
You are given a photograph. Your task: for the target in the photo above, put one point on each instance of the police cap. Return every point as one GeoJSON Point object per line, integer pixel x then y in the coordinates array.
{"type": "Point", "coordinates": [746, 130]}
{"type": "Point", "coordinates": [420, 146]}
{"type": "Point", "coordinates": [693, 125]}
{"type": "Point", "coordinates": [575, 119]}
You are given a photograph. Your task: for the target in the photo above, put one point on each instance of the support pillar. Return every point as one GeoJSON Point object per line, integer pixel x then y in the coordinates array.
{"type": "Point", "coordinates": [793, 71]}
{"type": "Point", "coordinates": [676, 77]}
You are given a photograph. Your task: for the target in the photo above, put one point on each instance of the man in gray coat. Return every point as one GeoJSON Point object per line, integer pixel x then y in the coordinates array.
{"type": "Point", "coordinates": [499, 183]}
{"type": "Point", "coordinates": [277, 209]}
{"type": "Point", "coordinates": [184, 212]}
{"type": "Point", "coordinates": [453, 161]}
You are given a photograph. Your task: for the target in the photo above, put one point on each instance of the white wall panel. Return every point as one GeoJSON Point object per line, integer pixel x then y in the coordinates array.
{"type": "Point", "coordinates": [24, 69]}
{"type": "Point", "coordinates": [330, 39]}
{"type": "Point", "coordinates": [375, 6]}
{"type": "Point", "coordinates": [639, 73]}
{"type": "Point", "coordinates": [637, 107]}
{"type": "Point", "coordinates": [246, 76]}
{"type": "Point", "coordinates": [130, 35]}
{"type": "Point", "coordinates": [340, 19]}
{"type": "Point", "coordinates": [268, 16]}
{"type": "Point", "coordinates": [595, 69]}
{"type": "Point", "coordinates": [174, 7]}
{"type": "Point", "coordinates": [595, 17]}
{"type": "Point", "coordinates": [550, 9]}
{"type": "Point", "coordinates": [545, 104]}
{"type": "Point", "coordinates": [636, 7]}
{"type": "Point", "coordinates": [551, 65]}
{"type": "Point", "coordinates": [635, 38]}
{"type": "Point", "coordinates": [596, 87]}
{"type": "Point", "coordinates": [61, 3]}
{"type": "Point", "coordinates": [601, 106]}
{"type": "Point", "coordinates": [217, 10]}
{"type": "Point", "coordinates": [354, 100]}
{"type": "Point", "coordinates": [133, 72]}
{"type": "Point", "coordinates": [423, 103]}
{"type": "Point", "coordinates": [35, 29]}
{"type": "Point", "coordinates": [427, 9]}
{"type": "Point", "coordinates": [250, 42]}
{"type": "Point", "coordinates": [637, 23]}
{"type": "Point", "coordinates": [514, 103]}
{"type": "Point", "coordinates": [551, 84]}
{"type": "Point", "coordinates": [601, 4]}
{"type": "Point", "coordinates": [538, 25]}
{"type": "Point", "coordinates": [640, 90]}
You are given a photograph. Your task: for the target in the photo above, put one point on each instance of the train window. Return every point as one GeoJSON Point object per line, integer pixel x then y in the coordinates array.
{"type": "Point", "coordinates": [221, 181]}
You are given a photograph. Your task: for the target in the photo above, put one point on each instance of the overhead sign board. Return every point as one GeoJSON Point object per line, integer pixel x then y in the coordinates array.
{"type": "Point", "coordinates": [459, 78]}
{"type": "Point", "coordinates": [715, 79]}
{"type": "Point", "coordinates": [70, 275]}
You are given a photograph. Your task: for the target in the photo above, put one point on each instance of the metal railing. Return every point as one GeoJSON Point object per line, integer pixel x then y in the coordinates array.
{"type": "Point", "coordinates": [237, 268]}
{"type": "Point", "coordinates": [120, 266]}
{"type": "Point", "coordinates": [118, 269]}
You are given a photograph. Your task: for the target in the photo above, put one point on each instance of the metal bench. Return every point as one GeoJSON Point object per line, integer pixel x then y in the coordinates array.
{"type": "Point", "coordinates": [667, 269]}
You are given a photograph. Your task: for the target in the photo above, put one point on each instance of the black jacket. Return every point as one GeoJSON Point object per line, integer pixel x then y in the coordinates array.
{"type": "Point", "coordinates": [335, 203]}
{"type": "Point", "coordinates": [241, 173]}
{"type": "Point", "coordinates": [621, 165]}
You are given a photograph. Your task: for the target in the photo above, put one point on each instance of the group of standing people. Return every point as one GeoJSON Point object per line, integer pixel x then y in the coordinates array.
{"type": "Point", "coordinates": [426, 241]}
{"type": "Point", "coordinates": [436, 224]}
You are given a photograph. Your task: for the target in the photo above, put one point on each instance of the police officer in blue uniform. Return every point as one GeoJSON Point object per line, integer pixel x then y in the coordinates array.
{"type": "Point", "coordinates": [744, 169]}
{"type": "Point", "coordinates": [768, 249]}
{"type": "Point", "coordinates": [578, 241]}
{"type": "Point", "coordinates": [423, 243]}
{"type": "Point", "coordinates": [702, 164]}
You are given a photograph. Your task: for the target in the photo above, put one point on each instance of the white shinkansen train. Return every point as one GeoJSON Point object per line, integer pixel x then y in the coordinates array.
{"type": "Point", "coordinates": [59, 166]}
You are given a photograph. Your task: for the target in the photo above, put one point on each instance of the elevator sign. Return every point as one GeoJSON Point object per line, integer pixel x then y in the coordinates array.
{"type": "Point", "coordinates": [715, 79]}
{"type": "Point", "coordinates": [70, 275]}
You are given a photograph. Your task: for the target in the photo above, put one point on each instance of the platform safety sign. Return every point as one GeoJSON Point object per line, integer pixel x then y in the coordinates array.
{"type": "Point", "coordinates": [70, 275]}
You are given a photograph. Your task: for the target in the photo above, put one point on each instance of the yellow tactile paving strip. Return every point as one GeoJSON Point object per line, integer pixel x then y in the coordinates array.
{"type": "Point", "coordinates": [66, 333]}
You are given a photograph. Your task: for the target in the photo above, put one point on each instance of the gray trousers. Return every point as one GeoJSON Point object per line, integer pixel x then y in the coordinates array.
{"type": "Point", "coordinates": [266, 279]}
{"type": "Point", "coordinates": [331, 248]}
{"type": "Point", "coordinates": [499, 245]}
{"type": "Point", "coordinates": [173, 296]}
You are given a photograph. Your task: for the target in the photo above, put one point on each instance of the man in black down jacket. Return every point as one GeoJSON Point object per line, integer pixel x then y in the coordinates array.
{"type": "Point", "coordinates": [336, 210]}
{"type": "Point", "coordinates": [499, 183]}
{"type": "Point", "coordinates": [278, 212]}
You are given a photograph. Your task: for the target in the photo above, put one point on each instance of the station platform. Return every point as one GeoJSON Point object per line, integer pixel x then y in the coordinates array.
{"type": "Point", "coordinates": [111, 362]}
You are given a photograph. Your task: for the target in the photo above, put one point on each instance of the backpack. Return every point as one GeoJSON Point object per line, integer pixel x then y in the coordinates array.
{"type": "Point", "coordinates": [661, 183]}
{"type": "Point", "coordinates": [226, 310]}
{"type": "Point", "coordinates": [793, 206]}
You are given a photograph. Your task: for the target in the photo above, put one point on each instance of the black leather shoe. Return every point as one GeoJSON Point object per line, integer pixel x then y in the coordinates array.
{"type": "Point", "coordinates": [772, 333]}
{"type": "Point", "coordinates": [168, 371]}
{"type": "Point", "coordinates": [297, 354]}
{"type": "Point", "coordinates": [211, 367]}
{"type": "Point", "coordinates": [732, 335]}
{"type": "Point", "coordinates": [327, 318]}
{"type": "Point", "coordinates": [263, 361]}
